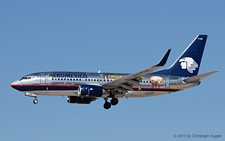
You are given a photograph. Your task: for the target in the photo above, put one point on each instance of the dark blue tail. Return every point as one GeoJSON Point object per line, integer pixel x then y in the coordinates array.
{"type": "Point", "coordinates": [188, 63]}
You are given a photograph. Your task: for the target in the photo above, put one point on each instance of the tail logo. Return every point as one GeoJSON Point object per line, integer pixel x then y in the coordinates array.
{"type": "Point", "coordinates": [189, 64]}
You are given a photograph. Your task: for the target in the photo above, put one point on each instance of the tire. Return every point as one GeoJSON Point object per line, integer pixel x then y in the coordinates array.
{"type": "Point", "coordinates": [107, 105]}
{"type": "Point", "coordinates": [35, 101]}
{"type": "Point", "coordinates": [114, 101]}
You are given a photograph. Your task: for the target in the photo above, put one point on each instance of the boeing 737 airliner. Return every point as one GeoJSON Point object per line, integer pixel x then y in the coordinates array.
{"type": "Point", "coordinates": [85, 87]}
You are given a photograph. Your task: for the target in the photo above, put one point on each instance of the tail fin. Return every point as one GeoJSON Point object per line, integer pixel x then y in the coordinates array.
{"type": "Point", "coordinates": [188, 63]}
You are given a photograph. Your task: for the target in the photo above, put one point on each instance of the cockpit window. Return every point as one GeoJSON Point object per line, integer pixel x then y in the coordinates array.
{"type": "Point", "coordinates": [26, 77]}
{"type": "Point", "coordinates": [23, 78]}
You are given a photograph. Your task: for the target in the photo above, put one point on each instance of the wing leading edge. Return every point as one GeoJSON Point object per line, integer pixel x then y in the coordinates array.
{"type": "Point", "coordinates": [126, 82]}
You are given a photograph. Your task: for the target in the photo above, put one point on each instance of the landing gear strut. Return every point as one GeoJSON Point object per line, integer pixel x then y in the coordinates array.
{"type": "Point", "coordinates": [35, 101]}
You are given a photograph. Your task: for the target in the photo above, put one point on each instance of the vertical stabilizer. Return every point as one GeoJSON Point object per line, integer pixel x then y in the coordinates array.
{"type": "Point", "coordinates": [188, 63]}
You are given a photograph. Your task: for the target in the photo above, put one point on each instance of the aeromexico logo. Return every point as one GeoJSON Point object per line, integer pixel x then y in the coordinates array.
{"type": "Point", "coordinates": [67, 75]}
{"type": "Point", "coordinates": [188, 63]}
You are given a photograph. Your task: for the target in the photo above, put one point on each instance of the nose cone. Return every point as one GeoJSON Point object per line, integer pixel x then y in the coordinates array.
{"type": "Point", "coordinates": [15, 85]}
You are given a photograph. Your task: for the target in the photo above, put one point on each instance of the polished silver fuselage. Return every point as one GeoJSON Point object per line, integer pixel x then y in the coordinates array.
{"type": "Point", "coordinates": [66, 83]}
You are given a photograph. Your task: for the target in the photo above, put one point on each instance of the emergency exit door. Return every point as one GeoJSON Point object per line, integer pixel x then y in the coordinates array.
{"type": "Point", "coordinates": [43, 78]}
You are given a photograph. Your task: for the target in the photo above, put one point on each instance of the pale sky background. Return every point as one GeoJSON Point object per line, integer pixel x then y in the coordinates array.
{"type": "Point", "coordinates": [111, 36]}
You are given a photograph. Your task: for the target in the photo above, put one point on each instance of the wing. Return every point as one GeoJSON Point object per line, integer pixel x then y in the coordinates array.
{"type": "Point", "coordinates": [126, 83]}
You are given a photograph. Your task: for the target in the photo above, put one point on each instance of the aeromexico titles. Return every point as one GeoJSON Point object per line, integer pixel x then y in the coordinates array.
{"type": "Point", "coordinates": [85, 87]}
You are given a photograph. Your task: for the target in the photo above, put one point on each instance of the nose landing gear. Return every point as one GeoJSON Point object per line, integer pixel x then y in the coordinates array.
{"type": "Point", "coordinates": [35, 101]}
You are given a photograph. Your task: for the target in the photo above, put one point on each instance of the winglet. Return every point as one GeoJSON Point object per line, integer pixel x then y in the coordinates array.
{"type": "Point", "coordinates": [163, 61]}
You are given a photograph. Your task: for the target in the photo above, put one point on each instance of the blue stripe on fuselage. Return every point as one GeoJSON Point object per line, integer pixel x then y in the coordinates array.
{"type": "Point", "coordinates": [35, 87]}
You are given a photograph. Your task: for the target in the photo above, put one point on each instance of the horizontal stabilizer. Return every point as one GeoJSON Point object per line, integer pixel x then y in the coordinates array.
{"type": "Point", "coordinates": [199, 77]}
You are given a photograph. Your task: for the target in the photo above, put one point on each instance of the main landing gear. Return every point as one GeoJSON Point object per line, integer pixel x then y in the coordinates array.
{"type": "Point", "coordinates": [107, 105]}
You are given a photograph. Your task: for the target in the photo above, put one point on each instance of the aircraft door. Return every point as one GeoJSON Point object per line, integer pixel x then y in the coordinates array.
{"type": "Point", "coordinates": [167, 82]}
{"type": "Point", "coordinates": [100, 81]}
{"type": "Point", "coordinates": [43, 78]}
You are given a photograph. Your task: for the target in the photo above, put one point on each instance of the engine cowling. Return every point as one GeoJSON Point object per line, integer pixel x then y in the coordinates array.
{"type": "Point", "coordinates": [79, 100]}
{"type": "Point", "coordinates": [90, 90]}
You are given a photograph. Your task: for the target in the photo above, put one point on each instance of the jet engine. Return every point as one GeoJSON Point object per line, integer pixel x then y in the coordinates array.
{"type": "Point", "coordinates": [79, 100]}
{"type": "Point", "coordinates": [90, 90]}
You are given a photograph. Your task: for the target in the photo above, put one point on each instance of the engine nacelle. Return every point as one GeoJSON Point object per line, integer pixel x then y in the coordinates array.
{"type": "Point", "coordinates": [90, 90]}
{"type": "Point", "coordinates": [79, 100]}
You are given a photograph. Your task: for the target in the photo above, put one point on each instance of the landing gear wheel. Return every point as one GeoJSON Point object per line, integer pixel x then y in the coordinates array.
{"type": "Point", "coordinates": [114, 101]}
{"type": "Point", "coordinates": [107, 105]}
{"type": "Point", "coordinates": [35, 101]}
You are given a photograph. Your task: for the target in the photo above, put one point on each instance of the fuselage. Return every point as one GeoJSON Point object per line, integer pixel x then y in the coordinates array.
{"type": "Point", "coordinates": [67, 83]}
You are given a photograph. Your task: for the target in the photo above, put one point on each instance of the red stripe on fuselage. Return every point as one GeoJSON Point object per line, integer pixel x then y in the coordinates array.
{"type": "Point", "coordinates": [47, 85]}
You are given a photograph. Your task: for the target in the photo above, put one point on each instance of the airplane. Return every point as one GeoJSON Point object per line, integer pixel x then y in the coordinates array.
{"type": "Point", "coordinates": [86, 87]}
